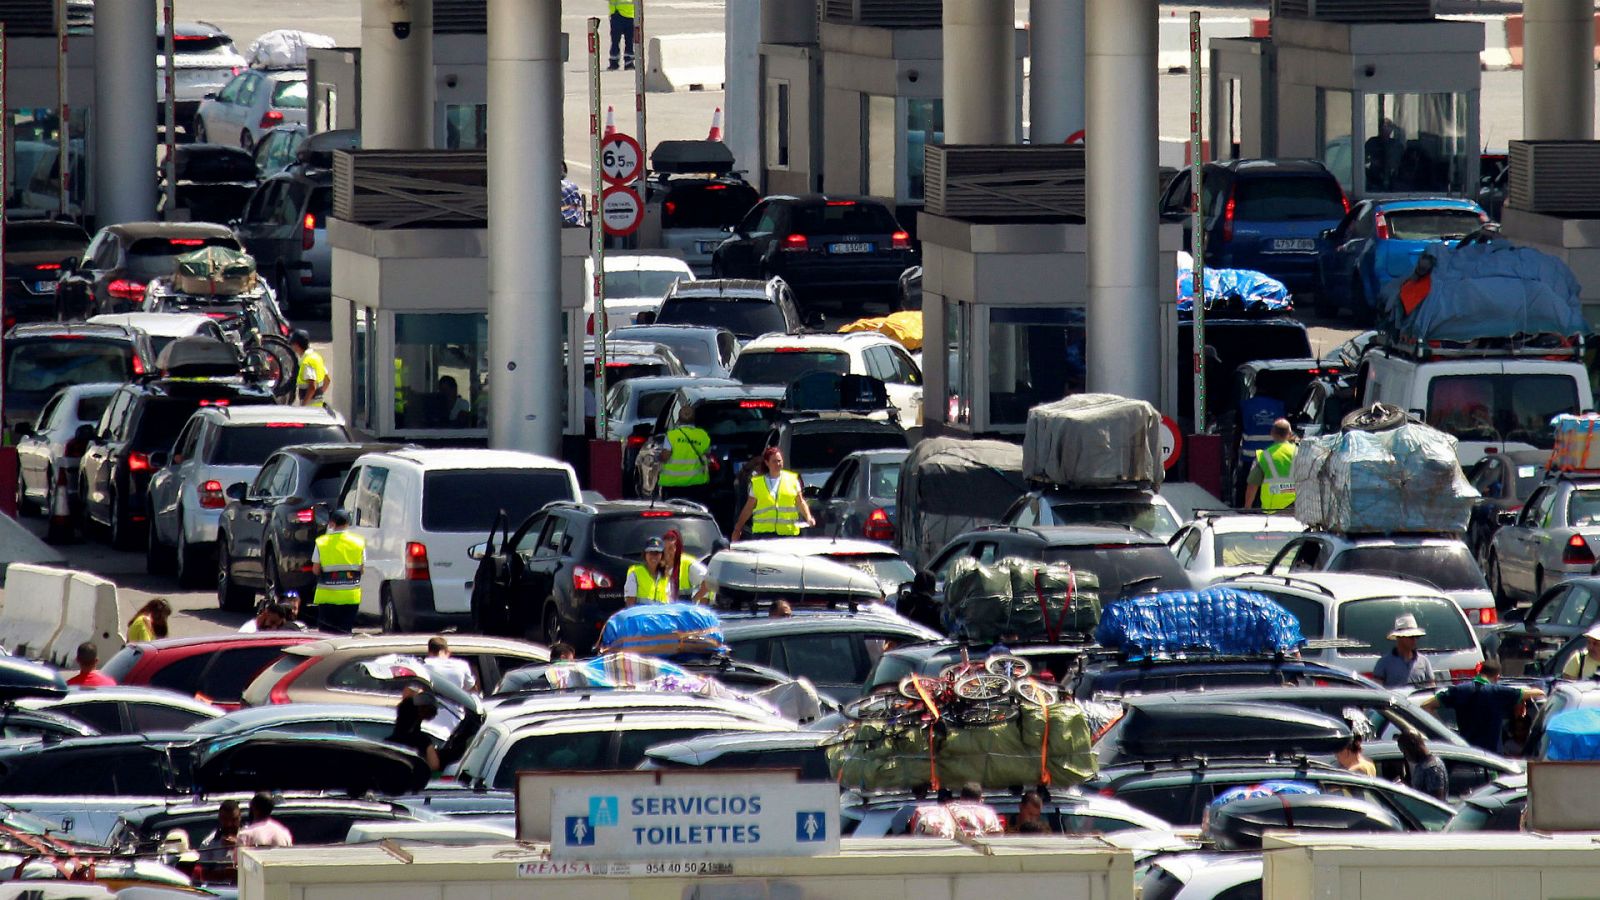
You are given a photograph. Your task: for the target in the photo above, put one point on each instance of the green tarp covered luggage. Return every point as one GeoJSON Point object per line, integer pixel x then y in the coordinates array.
{"type": "Point", "coordinates": [215, 271]}
{"type": "Point", "coordinates": [1019, 599]}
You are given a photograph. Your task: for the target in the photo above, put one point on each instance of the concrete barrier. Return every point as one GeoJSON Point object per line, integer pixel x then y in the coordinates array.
{"type": "Point", "coordinates": [91, 614]}
{"type": "Point", "coordinates": [686, 62]}
{"type": "Point", "coordinates": [35, 603]}
{"type": "Point", "coordinates": [1172, 49]}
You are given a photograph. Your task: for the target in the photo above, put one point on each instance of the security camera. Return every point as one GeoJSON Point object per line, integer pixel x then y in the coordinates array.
{"type": "Point", "coordinates": [402, 30]}
{"type": "Point", "coordinates": [400, 19]}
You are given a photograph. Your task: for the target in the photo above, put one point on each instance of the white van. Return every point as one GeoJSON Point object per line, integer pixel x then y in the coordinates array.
{"type": "Point", "coordinates": [419, 511]}
{"type": "Point", "coordinates": [1499, 401]}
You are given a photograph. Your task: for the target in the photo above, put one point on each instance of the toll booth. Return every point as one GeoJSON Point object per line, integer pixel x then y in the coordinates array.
{"type": "Point", "coordinates": [33, 171]}
{"type": "Point", "coordinates": [1244, 98]}
{"type": "Point", "coordinates": [334, 77]}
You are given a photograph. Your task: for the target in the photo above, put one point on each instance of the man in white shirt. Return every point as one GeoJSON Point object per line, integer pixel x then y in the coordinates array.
{"type": "Point", "coordinates": [441, 665]}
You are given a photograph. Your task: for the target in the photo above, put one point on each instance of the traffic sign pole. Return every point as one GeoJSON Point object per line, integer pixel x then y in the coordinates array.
{"type": "Point", "coordinates": [597, 234]}
{"type": "Point", "coordinates": [638, 98]}
{"type": "Point", "coordinates": [1197, 237]}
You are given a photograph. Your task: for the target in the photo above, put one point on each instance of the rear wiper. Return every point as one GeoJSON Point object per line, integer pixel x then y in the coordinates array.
{"type": "Point", "coordinates": [1143, 579]}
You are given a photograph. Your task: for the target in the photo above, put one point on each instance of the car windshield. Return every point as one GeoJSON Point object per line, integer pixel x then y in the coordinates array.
{"type": "Point", "coordinates": [1370, 621]}
{"type": "Point", "coordinates": [328, 479]}
{"type": "Point", "coordinates": [1287, 198]}
{"type": "Point", "coordinates": [160, 423]}
{"type": "Point", "coordinates": [1250, 548]}
{"type": "Point", "coordinates": [844, 217]}
{"type": "Point", "coordinates": [1431, 224]}
{"type": "Point", "coordinates": [746, 317]}
{"type": "Point", "coordinates": [784, 365]}
{"type": "Point", "coordinates": [1511, 407]}
{"type": "Point", "coordinates": [885, 483]}
{"type": "Point", "coordinates": [741, 424]}
{"type": "Point", "coordinates": [1124, 569]}
{"type": "Point", "coordinates": [467, 500]}
{"type": "Point", "coordinates": [887, 568]}
{"type": "Point", "coordinates": [47, 365]}
{"type": "Point", "coordinates": [625, 535]}
{"type": "Point", "coordinates": [691, 349]}
{"type": "Point", "coordinates": [824, 449]}
{"type": "Point", "coordinates": [1448, 567]}
{"type": "Point", "coordinates": [91, 408]}
{"type": "Point", "coordinates": [1148, 517]}
{"type": "Point", "coordinates": [1583, 508]}
{"type": "Point", "coordinates": [153, 257]}
{"type": "Point", "coordinates": [250, 445]}
{"type": "Point", "coordinates": [290, 95]}
{"type": "Point", "coordinates": [640, 283]}
{"type": "Point", "coordinates": [716, 205]}
{"type": "Point", "coordinates": [45, 237]}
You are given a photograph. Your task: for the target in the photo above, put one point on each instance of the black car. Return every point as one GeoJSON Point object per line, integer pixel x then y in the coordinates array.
{"type": "Point", "coordinates": [44, 357]}
{"type": "Point", "coordinates": [1560, 614]}
{"type": "Point", "coordinates": [1375, 713]}
{"type": "Point", "coordinates": [270, 526]}
{"type": "Point", "coordinates": [1504, 481]}
{"type": "Point", "coordinates": [1157, 731]}
{"type": "Point", "coordinates": [35, 251]}
{"type": "Point", "coordinates": [824, 246]}
{"type": "Point", "coordinates": [738, 420]}
{"type": "Point", "coordinates": [141, 420]}
{"type": "Point", "coordinates": [860, 496]}
{"type": "Point", "coordinates": [1230, 343]}
{"type": "Point", "coordinates": [560, 573]}
{"type": "Point", "coordinates": [213, 182]}
{"type": "Point", "coordinates": [122, 765]}
{"type": "Point", "coordinates": [115, 267]}
{"type": "Point", "coordinates": [1128, 561]}
{"type": "Point", "coordinates": [814, 445]}
{"type": "Point", "coordinates": [284, 226]}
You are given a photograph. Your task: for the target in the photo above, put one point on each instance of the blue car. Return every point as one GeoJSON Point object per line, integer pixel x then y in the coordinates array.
{"type": "Point", "coordinates": [1380, 240]}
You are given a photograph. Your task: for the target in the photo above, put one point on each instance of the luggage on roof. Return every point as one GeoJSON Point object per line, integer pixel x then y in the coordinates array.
{"type": "Point", "coordinates": [1093, 440]}
{"type": "Point", "coordinates": [1405, 479]}
{"type": "Point", "coordinates": [1220, 620]}
{"type": "Point", "coordinates": [1577, 447]}
{"type": "Point", "coordinates": [951, 485]}
{"type": "Point", "coordinates": [1027, 599]}
{"type": "Point", "coordinates": [663, 629]}
{"type": "Point", "coordinates": [1483, 291]}
{"type": "Point", "coordinates": [214, 271]}
{"type": "Point", "coordinates": [691, 158]}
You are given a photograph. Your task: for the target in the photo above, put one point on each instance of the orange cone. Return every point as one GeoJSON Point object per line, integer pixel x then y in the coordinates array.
{"type": "Point", "coordinates": [611, 121]}
{"type": "Point", "coordinates": [716, 126]}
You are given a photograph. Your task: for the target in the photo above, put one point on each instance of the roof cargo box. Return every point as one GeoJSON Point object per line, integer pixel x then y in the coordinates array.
{"type": "Point", "coordinates": [691, 158]}
{"type": "Point", "coordinates": [198, 357]}
{"type": "Point", "coordinates": [1093, 440]}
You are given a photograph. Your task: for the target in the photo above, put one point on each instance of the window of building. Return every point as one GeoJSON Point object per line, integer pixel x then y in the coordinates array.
{"type": "Point", "coordinates": [1335, 116]}
{"type": "Point", "coordinates": [777, 113]}
{"type": "Point", "coordinates": [924, 129]}
{"type": "Point", "coordinates": [1036, 355]}
{"type": "Point", "coordinates": [957, 326]}
{"type": "Point", "coordinates": [440, 370]}
{"type": "Point", "coordinates": [466, 126]}
{"type": "Point", "coordinates": [34, 179]}
{"type": "Point", "coordinates": [1416, 143]}
{"type": "Point", "coordinates": [364, 387]}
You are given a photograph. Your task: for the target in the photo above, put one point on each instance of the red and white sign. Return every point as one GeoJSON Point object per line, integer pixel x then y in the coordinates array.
{"type": "Point", "coordinates": [1171, 443]}
{"type": "Point", "coordinates": [621, 210]}
{"type": "Point", "coordinates": [620, 158]}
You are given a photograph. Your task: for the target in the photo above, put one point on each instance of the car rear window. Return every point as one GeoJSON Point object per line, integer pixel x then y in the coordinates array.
{"type": "Point", "coordinates": [250, 445]}
{"type": "Point", "coordinates": [741, 424]}
{"type": "Point", "coordinates": [1431, 224]}
{"type": "Point", "coordinates": [467, 500]}
{"type": "Point", "coordinates": [625, 535]}
{"type": "Point", "coordinates": [1511, 407]}
{"type": "Point", "coordinates": [1288, 385]}
{"type": "Point", "coordinates": [327, 480]}
{"type": "Point", "coordinates": [812, 449]}
{"type": "Point", "coordinates": [784, 365]}
{"type": "Point", "coordinates": [153, 257]}
{"type": "Point", "coordinates": [706, 205]}
{"type": "Point", "coordinates": [160, 421]}
{"type": "Point", "coordinates": [46, 365]}
{"type": "Point", "coordinates": [641, 283]}
{"type": "Point", "coordinates": [1288, 198]}
{"type": "Point", "coordinates": [40, 237]}
{"type": "Point", "coordinates": [746, 317]}
{"type": "Point", "coordinates": [1124, 569]}
{"type": "Point", "coordinates": [841, 217]}
{"type": "Point", "coordinates": [691, 349]}
{"type": "Point", "coordinates": [289, 95]}
{"type": "Point", "coordinates": [885, 484]}
{"type": "Point", "coordinates": [1370, 621]}
{"type": "Point", "coordinates": [1448, 567]}
{"type": "Point", "coordinates": [1150, 518]}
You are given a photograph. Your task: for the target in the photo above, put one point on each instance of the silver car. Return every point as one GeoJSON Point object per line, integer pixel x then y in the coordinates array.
{"type": "Point", "coordinates": [705, 350]}
{"type": "Point", "coordinates": [1548, 541]}
{"type": "Point", "coordinates": [48, 451]}
{"type": "Point", "coordinates": [205, 60]}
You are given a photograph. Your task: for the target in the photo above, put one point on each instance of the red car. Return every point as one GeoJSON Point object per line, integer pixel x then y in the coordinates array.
{"type": "Point", "coordinates": [215, 668]}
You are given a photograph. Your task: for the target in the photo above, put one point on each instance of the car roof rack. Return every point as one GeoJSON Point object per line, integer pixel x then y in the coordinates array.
{"type": "Point", "coordinates": [1535, 346]}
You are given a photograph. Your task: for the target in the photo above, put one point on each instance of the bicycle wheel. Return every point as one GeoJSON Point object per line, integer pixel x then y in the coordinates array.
{"type": "Point", "coordinates": [876, 707]}
{"type": "Point", "coordinates": [1009, 666]}
{"type": "Point", "coordinates": [933, 686]}
{"type": "Point", "coordinates": [983, 687]}
{"type": "Point", "coordinates": [1037, 693]}
{"type": "Point", "coordinates": [985, 712]}
{"type": "Point", "coordinates": [957, 671]}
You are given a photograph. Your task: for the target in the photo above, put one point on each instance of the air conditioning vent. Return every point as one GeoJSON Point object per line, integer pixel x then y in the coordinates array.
{"type": "Point", "coordinates": [1356, 10]}
{"type": "Point", "coordinates": [460, 17]}
{"type": "Point", "coordinates": [886, 13]}
{"type": "Point", "coordinates": [29, 18]}
{"type": "Point", "coordinates": [1554, 177]}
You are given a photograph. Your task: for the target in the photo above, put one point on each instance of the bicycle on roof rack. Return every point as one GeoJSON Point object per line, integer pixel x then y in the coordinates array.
{"type": "Point", "coordinates": [967, 693]}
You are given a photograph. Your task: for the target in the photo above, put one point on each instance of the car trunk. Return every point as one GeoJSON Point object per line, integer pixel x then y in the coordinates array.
{"type": "Point", "coordinates": [458, 508]}
{"type": "Point", "coordinates": [275, 761]}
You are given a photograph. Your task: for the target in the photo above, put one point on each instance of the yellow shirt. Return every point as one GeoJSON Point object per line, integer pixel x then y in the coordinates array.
{"type": "Point", "coordinates": [139, 630]}
{"type": "Point", "coordinates": [313, 371]}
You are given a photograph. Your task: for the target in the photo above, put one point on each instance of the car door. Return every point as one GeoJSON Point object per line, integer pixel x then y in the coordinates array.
{"type": "Point", "coordinates": [167, 485]}
{"type": "Point", "coordinates": [247, 519]}
{"type": "Point", "coordinates": [363, 498]}
{"type": "Point", "coordinates": [33, 451]}
{"type": "Point", "coordinates": [740, 255]}
{"type": "Point", "coordinates": [218, 114]}
{"type": "Point", "coordinates": [541, 563]}
{"type": "Point", "coordinates": [94, 470]}
{"type": "Point", "coordinates": [832, 506]}
{"type": "Point", "coordinates": [1517, 546]}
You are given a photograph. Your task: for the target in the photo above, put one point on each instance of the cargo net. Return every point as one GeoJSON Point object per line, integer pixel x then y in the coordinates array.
{"type": "Point", "coordinates": [986, 723]}
{"type": "Point", "coordinates": [1020, 600]}
{"type": "Point", "coordinates": [1218, 621]}
{"type": "Point", "coordinates": [1403, 480]}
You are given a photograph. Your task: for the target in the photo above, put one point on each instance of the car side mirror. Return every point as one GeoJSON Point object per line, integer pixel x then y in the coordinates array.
{"type": "Point", "coordinates": [478, 551]}
{"type": "Point", "coordinates": [648, 317]}
{"type": "Point", "coordinates": [209, 95]}
{"type": "Point", "coordinates": [237, 490]}
{"type": "Point", "coordinates": [1505, 517]}
{"type": "Point", "coordinates": [159, 459]}
{"type": "Point", "coordinates": [811, 492]}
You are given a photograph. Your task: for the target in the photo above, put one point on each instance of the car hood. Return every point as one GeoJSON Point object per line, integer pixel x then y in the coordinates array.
{"type": "Point", "coordinates": [281, 761]}
{"type": "Point", "coordinates": [756, 571]}
{"type": "Point", "coordinates": [20, 678]}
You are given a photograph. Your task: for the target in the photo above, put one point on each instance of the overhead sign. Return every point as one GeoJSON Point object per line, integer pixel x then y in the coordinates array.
{"type": "Point", "coordinates": [620, 158]}
{"type": "Point", "coordinates": [1171, 443]}
{"type": "Point", "coordinates": [732, 814]}
{"type": "Point", "coordinates": [621, 211]}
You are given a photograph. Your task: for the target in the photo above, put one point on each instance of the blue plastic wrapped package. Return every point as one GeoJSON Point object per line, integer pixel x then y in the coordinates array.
{"type": "Point", "coordinates": [663, 629]}
{"type": "Point", "coordinates": [1403, 480]}
{"type": "Point", "coordinates": [1218, 620]}
{"type": "Point", "coordinates": [1573, 734]}
{"type": "Point", "coordinates": [1264, 789]}
{"type": "Point", "coordinates": [1249, 290]}
{"type": "Point", "coordinates": [1577, 443]}
{"type": "Point", "coordinates": [1492, 290]}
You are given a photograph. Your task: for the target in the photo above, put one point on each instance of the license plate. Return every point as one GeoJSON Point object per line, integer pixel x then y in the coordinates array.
{"type": "Point", "coordinates": [705, 246]}
{"type": "Point", "coordinates": [1294, 245]}
{"type": "Point", "coordinates": [853, 247]}
{"type": "Point", "coordinates": [44, 287]}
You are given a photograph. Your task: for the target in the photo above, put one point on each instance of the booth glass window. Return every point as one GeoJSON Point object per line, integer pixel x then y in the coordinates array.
{"type": "Point", "coordinates": [365, 386]}
{"type": "Point", "coordinates": [35, 171]}
{"type": "Point", "coordinates": [924, 128]}
{"type": "Point", "coordinates": [877, 152]}
{"type": "Point", "coordinates": [466, 126]}
{"type": "Point", "coordinates": [1036, 355]}
{"type": "Point", "coordinates": [1335, 117]}
{"type": "Point", "coordinates": [440, 370]}
{"type": "Point", "coordinates": [957, 327]}
{"type": "Point", "coordinates": [1416, 143]}
{"type": "Point", "coordinates": [777, 114]}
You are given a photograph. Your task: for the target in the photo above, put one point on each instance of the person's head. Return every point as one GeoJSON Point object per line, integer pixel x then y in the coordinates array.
{"type": "Point", "coordinates": [972, 791]}
{"type": "Point", "coordinates": [338, 520]}
{"type": "Point", "coordinates": [447, 386]}
{"type": "Point", "coordinates": [561, 650]}
{"type": "Point", "coordinates": [654, 550]}
{"type": "Point", "coordinates": [1405, 633]}
{"type": "Point", "coordinates": [157, 611]}
{"type": "Point", "coordinates": [261, 806]}
{"type": "Point", "coordinates": [300, 340]}
{"type": "Point", "coordinates": [1282, 430]}
{"type": "Point", "coordinates": [1030, 808]}
{"type": "Point", "coordinates": [780, 609]}
{"type": "Point", "coordinates": [88, 656]}
{"type": "Point", "coordinates": [1350, 753]}
{"type": "Point", "coordinates": [291, 604]}
{"type": "Point", "coordinates": [1592, 637]}
{"type": "Point", "coordinates": [1490, 669]}
{"type": "Point", "coordinates": [1412, 746]}
{"type": "Point", "coordinates": [270, 618]}
{"type": "Point", "coordinates": [772, 461]}
{"type": "Point", "coordinates": [228, 817]}
{"type": "Point", "coordinates": [438, 646]}
{"type": "Point", "coordinates": [672, 541]}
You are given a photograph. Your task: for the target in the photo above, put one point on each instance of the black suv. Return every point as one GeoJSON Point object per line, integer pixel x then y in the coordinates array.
{"type": "Point", "coordinates": [1126, 560]}
{"type": "Point", "coordinates": [814, 444]}
{"type": "Point", "coordinates": [1230, 343]}
{"type": "Point", "coordinates": [44, 357]}
{"type": "Point", "coordinates": [35, 252]}
{"type": "Point", "coordinates": [121, 260]}
{"type": "Point", "coordinates": [559, 575]}
{"type": "Point", "coordinates": [737, 418]}
{"type": "Point", "coordinates": [284, 226]}
{"type": "Point", "coordinates": [142, 419]}
{"type": "Point", "coordinates": [821, 245]}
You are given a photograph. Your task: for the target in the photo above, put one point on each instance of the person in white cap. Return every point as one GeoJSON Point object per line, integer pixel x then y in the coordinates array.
{"type": "Point", "coordinates": [1404, 665]}
{"type": "Point", "coordinates": [1586, 664]}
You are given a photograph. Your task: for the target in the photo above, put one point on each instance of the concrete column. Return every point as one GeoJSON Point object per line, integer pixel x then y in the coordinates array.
{"type": "Point", "coordinates": [125, 111]}
{"type": "Point", "coordinates": [525, 375]}
{"type": "Point", "coordinates": [1055, 85]}
{"type": "Point", "coordinates": [1124, 336]}
{"type": "Point", "coordinates": [980, 79]}
{"type": "Point", "coordinates": [742, 98]}
{"type": "Point", "coordinates": [1558, 70]}
{"type": "Point", "coordinates": [397, 74]}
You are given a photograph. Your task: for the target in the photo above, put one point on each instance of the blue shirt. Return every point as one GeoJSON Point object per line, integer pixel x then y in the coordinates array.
{"type": "Point", "coordinates": [571, 203]}
{"type": "Point", "coordinates": [1392, 671]}
{"type": "Point", "coordinates": [1482, 708]}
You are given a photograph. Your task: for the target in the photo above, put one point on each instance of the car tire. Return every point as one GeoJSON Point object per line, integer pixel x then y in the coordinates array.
{"type": "Point", "coordinates": [272, 584]}
{"type": "Point", "coordinates": [157, 559]}
{"type": "Point", "coordinates": [286, 300]}
{"type": "Point", "coordinates": [230, 596]}
{"type": "Point", "coordinates": [246, 141]}
{"type": "Point", "coordinates": [549, 625]}
{"type": "Point", "coordinates": [191, 561]}
{"type": "Point", "coordinates": [1497, 585]}
{"type": "Point", "coordinates": [198, 129]}
{"type": "Point", "coordinates": [123, 533]}
{"type": "Point", "coordinates": [27, 508]}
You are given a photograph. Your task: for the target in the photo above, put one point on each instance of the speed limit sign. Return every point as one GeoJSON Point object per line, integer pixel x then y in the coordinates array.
{"type": "Point", "coordinates": [621, 210]}
{"type": "Point", "coordinates": [620, 159]}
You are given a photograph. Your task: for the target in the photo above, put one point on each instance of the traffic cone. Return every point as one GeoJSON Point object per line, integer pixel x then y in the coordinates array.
{"type": "Point", "coordinates": [611, 121]}
{"type": "Point", "coordinates": [60, 528]}
{"type": "Point", "coordinates": [716, 126]}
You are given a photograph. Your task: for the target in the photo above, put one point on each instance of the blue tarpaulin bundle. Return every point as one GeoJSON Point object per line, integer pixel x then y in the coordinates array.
{"type": "Point", "coordinates": [1252, 291]}
{"type": "Point", "coordinates": [1573, 734]}
{"type": "Point", "coordinates": [1220, 620]}
{"type": "Point", "coordinates": [1492, 290]}
{"type": "Point", "coordinates": [663, 629]}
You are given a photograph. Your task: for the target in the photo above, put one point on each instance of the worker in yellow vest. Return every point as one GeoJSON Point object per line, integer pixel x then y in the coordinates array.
{"type": "Point", "coordinates": [685, 471]}
{"type": "Point", "coordinates": [1272, 474]}
{"type": "Point", "coordinates": [311, 381]}
{"type": "Point", "coordinates": [337, 561]}
{"type": "Point", "coordinates": [652, 581]}
{"type": "Point", "coordinates": [621, 30]}
{"type": "Point", "coordinates": [776, 505]}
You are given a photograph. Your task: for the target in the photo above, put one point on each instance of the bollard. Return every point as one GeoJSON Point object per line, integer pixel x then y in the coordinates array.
{"type": "Point", "coordinates": [1204, 454]}
{"type": "Point", "coordinates": [8, 475]}
{"type": "Point", "coordinates": [605, 468]}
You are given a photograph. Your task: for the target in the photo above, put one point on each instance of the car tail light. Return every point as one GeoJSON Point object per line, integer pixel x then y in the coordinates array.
{"type": "Point", "coordinates": [900, 240]}
{"type": "Point", "coordinates": [308, 231]}
{"type": "Point", "coordinates": [1577, 552]}
{"type": "Point", "coordinates": [186, 242]}
{"type": "Point", "coordinates": [138, 462]}
{"type": "Point", "coordinates": [280, 692]}
{"type": "Point", "coordinates": [1488, 616]}
{"type": "Point", "coordinates": [138, 365]}
{"type": "Point", "coordinates": [757, 404]}
{"type": "Point", "coordinates": [305, 516]}
{"type": "Point", "coordinates": [796, 243]}
{"type": "Point", "coordinates": [589, 329]}
{"type": "Point", "coordinates": [587, 579]}
{"type": "Point", "coordinates": [841, 203]}
{"type": "Point", "coordinates": [47, 267]}
{"type": "Point", "coordinates": [635, 440]}
{"type": "Point", "coordinates": [1381, 223]}
{"type": "Point", "coordinates": [656, 514]}
{"type": "Point", "coordinates": [1461, 674]}
{"type": "Point", "coordinates": [222, 401]}
{"type": "Point", "coordinates": [878, 527]}
{"type": "Point", "coordinates": [270, 119]}
{"type": "Point", "coordinates": [126, 289]}
{"type": "Point", "coordinates": [211, 496]}
{"type": "Point", "coordinates": [1227, 219]}
{"type": "Point", "coordinates": [237, 69]}
{"type": "Point", "coordinates": [416, 561]}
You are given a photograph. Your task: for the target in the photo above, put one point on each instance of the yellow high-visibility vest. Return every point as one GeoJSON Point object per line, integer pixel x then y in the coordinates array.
{"type": "Point", "coordinates": [1277, 464]}
{"type": "Point", "coordinates": [778, 515]}
{"type": "Point", "coordinates": [342, 556]}
{"type": "Point", "coordinates": [686, 467]}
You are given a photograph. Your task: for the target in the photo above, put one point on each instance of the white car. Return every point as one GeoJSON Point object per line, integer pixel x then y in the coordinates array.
{"type": "Point", "coordinates": [218, 447]}
{"type": "Point", "coordinates": [420, 510]}
{"type": "Point", "coordinates": [252, 104]}
{"type": "Point", "coordinates": [1357, 612]}
{"type": "Point", "coordinates": [881, 561]}
{"type": "Point", "coordinates": [1215, 547]}
{"type": "Point", "coordinates": [204, 62]}
{"type": "Point", "coordinates": [635, 283]}
{"type": "Point", "coordinates": [781, 358]}
{"type": "Point", "coordinates": [164, 328]}
{"type": "Point", "coordinates": [1201, 876]}
{"type": "Point", "coordinates": [47, 452]}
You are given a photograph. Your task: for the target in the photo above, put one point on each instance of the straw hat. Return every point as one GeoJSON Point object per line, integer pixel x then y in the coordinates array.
{"type": "Point", "coordinates": [1406, 626]}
